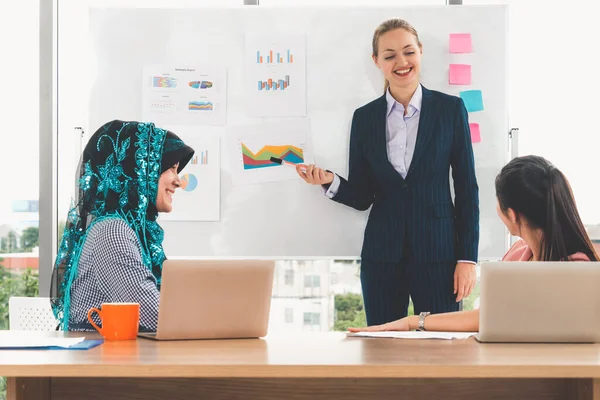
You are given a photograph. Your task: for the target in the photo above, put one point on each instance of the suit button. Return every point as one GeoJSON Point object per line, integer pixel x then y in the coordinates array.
{"type": "Point", "coordinates": [404, 185]}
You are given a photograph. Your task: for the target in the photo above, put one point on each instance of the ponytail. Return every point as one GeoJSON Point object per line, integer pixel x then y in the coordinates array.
{"type": "Point", "coordinates": [564, 232]}
{"type": "Point", "coordinates": [553, 245]}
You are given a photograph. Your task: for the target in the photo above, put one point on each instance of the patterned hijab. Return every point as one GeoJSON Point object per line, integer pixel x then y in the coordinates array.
{"type": "Point", "coordinates": [118, 178]}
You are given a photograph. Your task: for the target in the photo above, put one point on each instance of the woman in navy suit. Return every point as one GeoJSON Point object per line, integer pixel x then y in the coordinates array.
{"type": "Point", "coordinates": [418, 243]}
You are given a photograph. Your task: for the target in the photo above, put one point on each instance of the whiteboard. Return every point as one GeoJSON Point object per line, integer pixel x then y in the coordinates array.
{"type": "Point", "coordinates": [290, 219]}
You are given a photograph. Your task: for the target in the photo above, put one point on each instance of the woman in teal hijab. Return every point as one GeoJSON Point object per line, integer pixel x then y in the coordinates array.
{"type": "Point", "coordinates": [111, 249]}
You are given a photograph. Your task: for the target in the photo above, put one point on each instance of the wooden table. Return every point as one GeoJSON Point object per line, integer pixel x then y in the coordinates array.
{"type": "Point", "coordinates": [316, 366]}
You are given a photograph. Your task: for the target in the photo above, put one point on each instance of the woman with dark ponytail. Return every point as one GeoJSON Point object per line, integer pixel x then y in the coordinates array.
{"type": "Point", "coordinates": [536, 203]}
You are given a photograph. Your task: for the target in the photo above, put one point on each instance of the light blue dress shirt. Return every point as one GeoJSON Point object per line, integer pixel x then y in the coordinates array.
{"type": "Point", "coordinates": [401, 134]}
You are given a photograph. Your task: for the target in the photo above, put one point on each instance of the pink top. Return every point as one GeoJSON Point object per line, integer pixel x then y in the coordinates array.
{"type": "Point", "coordinates": [521, 252]}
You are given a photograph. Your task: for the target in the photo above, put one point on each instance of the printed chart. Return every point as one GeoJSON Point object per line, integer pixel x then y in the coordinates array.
{"type": "Point", "coordinates": [276, 75]}
{"type": "Point", "coordinates": [185, 95]}
{"type": "Point", "coordinates": [262, 159]}
{"type": "Point", "coordinates": [198, 198]}
{"type": "Point", "coordinates": [252, 147]}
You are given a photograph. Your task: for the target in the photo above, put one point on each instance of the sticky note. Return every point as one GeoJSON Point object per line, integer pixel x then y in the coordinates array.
{"type": "Point", "coordinates": [460, 43]}
{"type": "Point", "coordinates": [459, 74]}
{"type": "Point", "coordinates": [473, 100]}
{"type": "Point", "coordinates": [475, 133]}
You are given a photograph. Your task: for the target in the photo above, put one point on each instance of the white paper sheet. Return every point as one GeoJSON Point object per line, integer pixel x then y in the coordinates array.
{"type": "Point", "coordinates": [25, 339]}
{"type": "Point", "coordinates": [183, 95]}
{"type": "Point", "coordinates": [199, 197]}
{"type": "Point", "coordinates": [251, 146]}
{"type": "Point", "coordinates": [415, 335]}
{"type": "Point", "coordinates": [276, 75]}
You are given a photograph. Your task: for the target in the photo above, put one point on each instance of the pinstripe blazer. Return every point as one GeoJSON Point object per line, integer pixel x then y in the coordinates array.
{"type": "Point", "coordinates": [418, 210]}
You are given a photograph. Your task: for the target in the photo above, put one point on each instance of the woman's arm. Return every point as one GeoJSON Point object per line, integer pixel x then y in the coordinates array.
{"type": "Point", "coordinates": [465, 187]}
{"type": "Point", "coordinates": [358, 191]}
{"type": "Point", "coordinates": [460, 321]}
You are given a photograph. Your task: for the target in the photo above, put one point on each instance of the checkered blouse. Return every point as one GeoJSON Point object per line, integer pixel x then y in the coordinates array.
{"type": "Point", "coordinates": [111, 271]}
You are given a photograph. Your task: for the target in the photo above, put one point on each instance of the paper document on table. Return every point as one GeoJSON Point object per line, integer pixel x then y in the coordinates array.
{"type": "Point", "coordinates": [414, 335]}
{"type": "Point", "coordinates": [24, 339]}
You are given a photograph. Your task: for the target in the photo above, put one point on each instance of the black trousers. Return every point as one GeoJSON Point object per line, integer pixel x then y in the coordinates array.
{"type": "Point", "coordinates": [387, 287]}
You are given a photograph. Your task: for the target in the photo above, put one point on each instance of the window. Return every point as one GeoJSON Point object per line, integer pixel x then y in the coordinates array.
{"type": "Point", "coordinates": [25, 206]}
{"type": "Point", "coordinates": [555, 117]}
{"type": "Point", "coordinates": [289, 315]}
{"type": "Point", "coordinates": [289, 277]}
{"type": "Point", "coordinates": [334, 278]}
{"type": "Point", "coordinates": [312, 319]}
{"type": "Point", "coordinates": [19, 155]}
{"type": "Point", "coordinates": [312, 281]}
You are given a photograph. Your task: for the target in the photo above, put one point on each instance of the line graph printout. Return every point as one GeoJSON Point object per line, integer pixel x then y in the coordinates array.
{"type": "Point", "coordinates": [251, 149]}
{"type": "Point", "coordinates": [185, 95]}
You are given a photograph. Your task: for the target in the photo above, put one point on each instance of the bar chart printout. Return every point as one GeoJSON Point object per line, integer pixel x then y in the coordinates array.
{"type": "Point", "coordinates": [275, 75]}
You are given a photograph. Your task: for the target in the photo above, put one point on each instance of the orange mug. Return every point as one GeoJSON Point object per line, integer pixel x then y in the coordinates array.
{"type": "Point", "coordinates": [120, 321]}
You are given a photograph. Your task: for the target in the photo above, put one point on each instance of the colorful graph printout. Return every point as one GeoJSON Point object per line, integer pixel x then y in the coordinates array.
{"type": "Point", "coordinates": [199, 197]}
{"type": "Point", "coordinates": [251, 147]}
{"type": "Point", "coordinates": [275, 76]}
{"type": "Point", "coordinates": [184, 96]}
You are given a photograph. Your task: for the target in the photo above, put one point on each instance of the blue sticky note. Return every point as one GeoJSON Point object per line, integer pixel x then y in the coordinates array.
{"type": "Point", "coordinates": [473, 100]}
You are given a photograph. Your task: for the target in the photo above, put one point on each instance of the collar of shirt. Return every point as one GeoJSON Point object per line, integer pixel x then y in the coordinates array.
{"type": "Point", "coordinates": [414, 104]}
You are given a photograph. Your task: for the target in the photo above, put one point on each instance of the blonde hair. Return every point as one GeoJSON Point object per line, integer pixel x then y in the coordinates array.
{"type": "Point", "coordinates": [391, 25]}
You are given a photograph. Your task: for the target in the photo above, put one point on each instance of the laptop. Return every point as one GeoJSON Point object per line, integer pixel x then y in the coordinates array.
{"type": "Point", "coordinates": [214, 299]}
{"type": "Point", "coordinates": [540, 302]}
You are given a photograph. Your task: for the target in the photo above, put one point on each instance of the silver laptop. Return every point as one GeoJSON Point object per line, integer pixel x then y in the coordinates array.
{"type": "Point", "coordinates": [214, 299]}
{"type": "Point", "coordinates": [551, 302]}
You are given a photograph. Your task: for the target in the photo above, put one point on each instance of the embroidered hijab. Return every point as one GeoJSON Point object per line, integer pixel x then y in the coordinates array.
{"type": "Point", "coordinates": [118, 178]}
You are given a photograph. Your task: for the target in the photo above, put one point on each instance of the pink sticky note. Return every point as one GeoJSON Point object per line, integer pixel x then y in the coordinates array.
{"type": "Point", "coordinates": [475, 133]}
{"type": "Point", "coordinates": [460, 43]}
{"type": "Point", "coordinates": [459, 74]}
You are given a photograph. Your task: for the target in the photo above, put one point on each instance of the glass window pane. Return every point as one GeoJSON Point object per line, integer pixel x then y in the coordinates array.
{"type": "Point", "coordinates": [324, 284]}
{"type": "Point", "coordinates": [19, 155]}
{"type": "Point", "coordinates": [289, 315]}
{"type": "Point", "coordinates": [555, 112]}
{"type": "Point", "coordinates": [308, 281]}
{"type": "Point", "coordinates": [289, 277]}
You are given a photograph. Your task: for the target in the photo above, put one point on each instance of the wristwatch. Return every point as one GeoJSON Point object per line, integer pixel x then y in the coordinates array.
{"type": "Point", "coordinates": [422, 320]}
